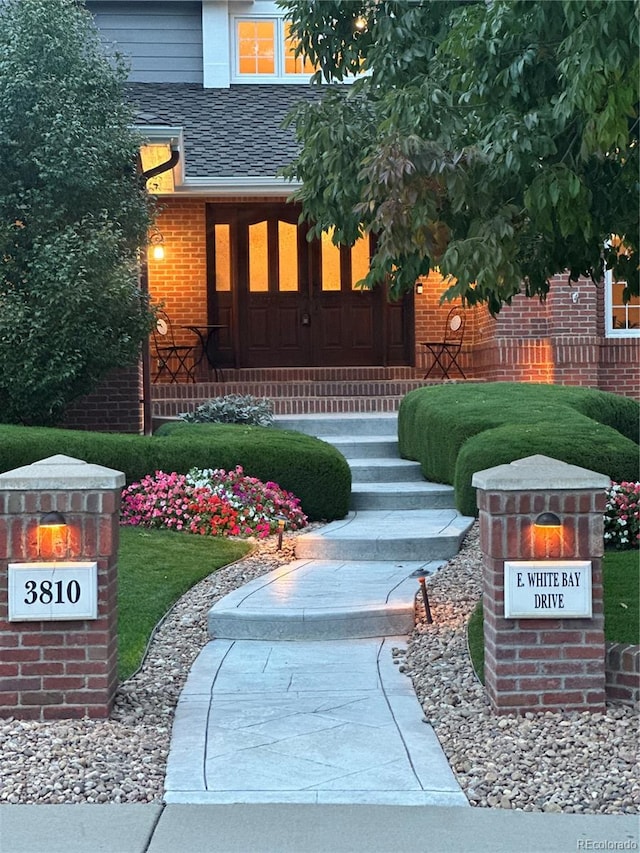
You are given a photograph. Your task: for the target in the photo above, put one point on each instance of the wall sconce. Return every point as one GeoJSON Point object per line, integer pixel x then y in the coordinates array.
{"type": "Point", "coordinates": [547, 520]}
{"type": "Point", "coordinates": [156, 241]}
{"type": "Point", "coordinates": [419, 288]}
{"type": "Point", "coordinates": [360, 24]}
{"type": "Point", "coordinates": [53, 535]}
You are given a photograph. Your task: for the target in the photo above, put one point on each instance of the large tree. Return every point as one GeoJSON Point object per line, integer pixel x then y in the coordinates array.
{"type": "Point", "coordinates": [495, 139]}
{"type": "Point", "coordinates": [72, 212]}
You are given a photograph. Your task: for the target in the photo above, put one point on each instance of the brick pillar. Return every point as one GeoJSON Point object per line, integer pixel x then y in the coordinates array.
{"type": "Point", "coordinates": [546, 660]}
{"type": "Point", "coordinates": [58, 666]}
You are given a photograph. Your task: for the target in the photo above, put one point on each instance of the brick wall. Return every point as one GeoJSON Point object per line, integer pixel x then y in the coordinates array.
{"type": "Point", "coordinates": [114, 406]}
{"type": "Point", "coordinates": [622, 670]}
{"type": "Point", "coordinates": [179, 280]}
{"type": "Point", "coordinates": [60, 669]}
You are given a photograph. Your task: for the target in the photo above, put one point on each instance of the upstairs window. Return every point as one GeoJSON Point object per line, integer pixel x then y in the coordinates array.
{"type": "Point", "coordinates": [264, 48]}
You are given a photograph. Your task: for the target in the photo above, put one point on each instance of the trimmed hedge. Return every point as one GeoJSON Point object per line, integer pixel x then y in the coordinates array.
{"type": "Point", "coordinates": [455, 430]}
{"type": "Point", "coordinates": [312, 469]}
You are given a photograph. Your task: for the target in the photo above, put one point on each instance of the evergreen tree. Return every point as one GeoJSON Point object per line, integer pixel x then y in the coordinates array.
{"type": "Point", "coordinates": [73, 213]}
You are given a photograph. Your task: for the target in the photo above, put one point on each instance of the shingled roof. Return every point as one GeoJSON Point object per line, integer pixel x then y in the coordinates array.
{"type": "Point", "coordinates": [235, 132]}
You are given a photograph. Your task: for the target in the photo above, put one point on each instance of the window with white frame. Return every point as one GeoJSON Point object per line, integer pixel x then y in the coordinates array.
{"type": "Point", "coordinates": [264, 49]}
{"type": "Point", "coordinates": [622, 318]}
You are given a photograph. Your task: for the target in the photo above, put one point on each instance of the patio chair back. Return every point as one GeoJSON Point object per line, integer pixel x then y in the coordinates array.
{"type": "Point", "coordinates": [445, 352]}
{"type": "Point", "coordinates": [177, 362]}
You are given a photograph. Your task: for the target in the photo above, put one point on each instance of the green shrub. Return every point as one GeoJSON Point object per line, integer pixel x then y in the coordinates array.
{"type": "Point", "coordinates": [232, 409]}
{"type": "Point", "coordinates": [313, 470]}
{"type": "Point", "coordinates": [455, 430]}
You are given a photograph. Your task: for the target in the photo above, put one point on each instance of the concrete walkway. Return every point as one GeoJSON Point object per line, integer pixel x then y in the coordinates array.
{"type": "Point", "coordinates": [298, 698]}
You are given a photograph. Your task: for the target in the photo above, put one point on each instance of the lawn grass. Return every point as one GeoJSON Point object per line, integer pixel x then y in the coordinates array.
{"type": "Point", "coordinates": [155, 568]}
{"type": "Point", "coordinates": [622, 596]}
{"type": "Point", "coordinates": [621, 606]}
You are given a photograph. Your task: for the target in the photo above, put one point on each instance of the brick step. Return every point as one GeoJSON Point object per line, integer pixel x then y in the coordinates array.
{"type": "Point", "coordinates": [291, 405]}
{"type": "Point", "coordinates": [341, 388]}
{"type": "Point", "coordinates": [319, 374]}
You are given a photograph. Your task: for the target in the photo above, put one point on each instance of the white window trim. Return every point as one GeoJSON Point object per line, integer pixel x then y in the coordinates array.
{"type": "Point", "coordinates": [279, 76]}
{"type": "Point", "coordinates": [610, 332]}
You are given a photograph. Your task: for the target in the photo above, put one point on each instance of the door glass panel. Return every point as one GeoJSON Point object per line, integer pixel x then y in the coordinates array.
{"type": "Point", "coordinates": [256, 42]}
{"type": "Point", "coordinates": [359, 261]}
{"type": "Point", "coordinates": [222, 245]}
{"type": "Point", "coordinates": [287, 257]}
{"type": "Point", "coordinates": [258, 258]}
{"type": "Point", "coordinates": [330, 263]}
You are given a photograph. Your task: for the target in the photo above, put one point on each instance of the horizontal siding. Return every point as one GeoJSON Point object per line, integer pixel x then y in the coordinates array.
{"type": "Point", "coordinates": [163, 41]}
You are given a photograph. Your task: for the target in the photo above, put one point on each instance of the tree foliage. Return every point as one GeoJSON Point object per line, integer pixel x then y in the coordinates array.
{"type": "Point", "coordinates": [495, 140]}
{"type": "Point", "coordinates": [72, 212]}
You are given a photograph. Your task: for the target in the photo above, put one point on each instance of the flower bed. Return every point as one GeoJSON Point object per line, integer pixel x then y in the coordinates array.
{"type": "Point", "coordinates": [211, 502]}
{"type": "Point", "coordinates": [622, 515]}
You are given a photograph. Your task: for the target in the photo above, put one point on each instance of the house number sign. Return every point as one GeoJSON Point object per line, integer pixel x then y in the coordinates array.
{"type": "Point", "coordinates": [544, 590]}
{"type": "Point", "coordinates": [53, 591]}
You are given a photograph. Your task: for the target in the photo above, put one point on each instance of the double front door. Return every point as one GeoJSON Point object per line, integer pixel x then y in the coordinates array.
{"type": "Point", "coordinates": [291, 302]}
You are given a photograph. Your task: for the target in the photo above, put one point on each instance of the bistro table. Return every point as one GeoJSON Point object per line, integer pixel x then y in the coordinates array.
{"type": "Point", "coordinates": [206, 334]}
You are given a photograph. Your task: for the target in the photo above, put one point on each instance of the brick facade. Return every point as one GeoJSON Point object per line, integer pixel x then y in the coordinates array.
{"type": "Point", "coordinates": [545, 663]}
{"type": "Point", "coordinates": [60, 669]}
{"type": "Point", "coordinates": [558, 341]}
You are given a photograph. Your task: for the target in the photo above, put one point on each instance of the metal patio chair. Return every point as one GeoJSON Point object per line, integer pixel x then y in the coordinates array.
{"type": "Point", "coordinates": [445, 352]}
{"type": "Point", "coordinates": [177, 361]}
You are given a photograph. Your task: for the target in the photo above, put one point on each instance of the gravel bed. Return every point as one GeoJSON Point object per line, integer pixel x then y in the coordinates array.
{"type": "Point", "coordinates": [553, 762]}
{"type": "Point", "coordinates": [572, 762]}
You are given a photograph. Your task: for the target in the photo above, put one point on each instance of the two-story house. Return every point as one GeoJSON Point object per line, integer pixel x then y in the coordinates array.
{"type": "Point", "coordinates": [211, 81]}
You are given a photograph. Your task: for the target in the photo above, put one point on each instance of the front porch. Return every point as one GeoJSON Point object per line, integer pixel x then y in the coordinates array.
{"type": "Point", "coordinates": [299, 390]}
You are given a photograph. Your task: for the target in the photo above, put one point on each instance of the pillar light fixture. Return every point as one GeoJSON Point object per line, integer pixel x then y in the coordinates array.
{"type": "Point", "coordinates": [53, 519]}
{"type": "Point", "coordinates": [547, 519]}
{"type": "Point", "coordinates": [53, 536]}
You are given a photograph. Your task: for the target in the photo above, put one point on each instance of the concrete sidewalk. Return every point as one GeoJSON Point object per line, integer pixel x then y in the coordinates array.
{"type": "Point", "coordinates": [305, 829]}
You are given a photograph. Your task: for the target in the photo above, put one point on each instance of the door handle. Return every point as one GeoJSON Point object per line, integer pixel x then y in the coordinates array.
{"type": "Point", "coordinates": [306, 320]}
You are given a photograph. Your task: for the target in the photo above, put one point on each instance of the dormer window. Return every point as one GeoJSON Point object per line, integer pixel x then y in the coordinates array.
{"type": "Point", "coordinates": [264, 48]}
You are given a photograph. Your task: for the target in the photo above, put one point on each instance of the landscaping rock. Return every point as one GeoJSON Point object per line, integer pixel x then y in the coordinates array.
{"type": "Point", "coordinates": [577, 763]}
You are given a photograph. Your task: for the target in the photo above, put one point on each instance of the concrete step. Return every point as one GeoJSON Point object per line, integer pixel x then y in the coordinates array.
{"type": "Point", "coordinates": [402, 496]}
{"type": "Point", "coordinates": [364, 447]}
{"type": "Point", "coordinates": [341, 424]}
{"type": "Point", "coordinates": [385, 471]}
{"type": "Point", "coordinates": [323, 600]}
{"type": "Point", "coordinates": [430, 534]}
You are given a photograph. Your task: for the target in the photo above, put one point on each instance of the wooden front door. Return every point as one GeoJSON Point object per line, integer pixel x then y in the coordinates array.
{"type": "Point", "coordinates": [290, 302]}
